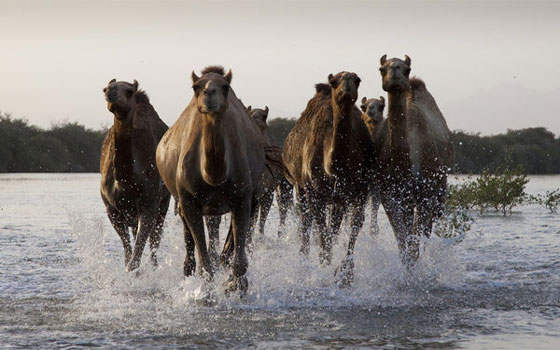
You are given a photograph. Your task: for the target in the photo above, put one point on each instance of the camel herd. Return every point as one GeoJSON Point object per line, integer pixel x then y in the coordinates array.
{"type": "Point", "coordinates": [219, 157]}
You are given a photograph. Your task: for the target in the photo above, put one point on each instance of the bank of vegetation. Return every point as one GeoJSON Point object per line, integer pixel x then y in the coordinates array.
{"type": "Point", "coordinates": [64, 147]}
{"type": "Point", "coordinates": [70, 147]}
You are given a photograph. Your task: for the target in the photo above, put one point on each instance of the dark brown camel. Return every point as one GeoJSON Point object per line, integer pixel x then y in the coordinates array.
{"type": "Point", "coordinates": [131, 187]}
{"type": "Point", "coordinates": [211, 160]}
{"type": "Point", "coordinates": [329, 157]}
{"type": "Point", "coordinates": [272, 178]}
{"type": "Point", "coordinates": [415, 157]}
{"type": "Point", "coordinates": [372, 116]}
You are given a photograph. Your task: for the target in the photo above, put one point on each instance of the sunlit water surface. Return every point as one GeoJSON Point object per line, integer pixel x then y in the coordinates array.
{"type": "Point", "coordinates": [63, 284]}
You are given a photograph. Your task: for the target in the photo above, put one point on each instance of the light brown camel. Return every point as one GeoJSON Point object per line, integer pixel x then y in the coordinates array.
{"type": "Point", "coordinates": [414, 159]}
{"type": "Point", "coordinates": [131, 187]}
{"type": "Point", "coordinates": [272, 177]}
{"type": "Point", "coordinates": [329, 157]}
{"type": "Point", "coordinates": [211, 160]}
{"type": "Point", "coordinates": [372, 116]}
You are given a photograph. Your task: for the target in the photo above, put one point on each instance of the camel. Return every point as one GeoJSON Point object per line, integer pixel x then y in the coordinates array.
{"type": "Point", "coordinates": [131, 188]}
{"type": "Point", "coordinates": [415, 156]}
{"type": "Point", "coordinates": [211, 160]}
{"type": "Point", "coordinates": [272, 178]}
{"type": "Point", "coordinates": [329, 157]}
{"type": "Point", "coordinates": [372, 116]}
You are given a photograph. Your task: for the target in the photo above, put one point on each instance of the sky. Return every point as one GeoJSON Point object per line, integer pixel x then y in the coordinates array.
{"type": "Point", "coordinates": [490, 65]}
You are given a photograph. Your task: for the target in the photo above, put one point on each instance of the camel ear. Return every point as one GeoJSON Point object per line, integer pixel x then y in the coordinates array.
{"type": "Point", "coordinates": [265, 112]}
{"type": "Point", "coordinates": [112, 81]}
{"type": "Point", "coordinates": [332, 81]}
{"type": "Point", "coordinates": [135, 85]}
{"type": "Point", "coordinates": [383, 59]}
{"type": "Point", "coordinates": [407, 60]}
{"type": "Point", "coordinates": [364, 99]}
{"type": "Point", "coordinates": [228, 76]}
{"type": "Point", "coordinates": [194, 77]}
{"type": "Point", "coordinates": [382, 99]}
{"type": "Point", "coordinates": [249, 108]}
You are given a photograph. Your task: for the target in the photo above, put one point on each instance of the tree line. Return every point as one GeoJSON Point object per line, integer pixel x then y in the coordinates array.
{"type": "Point", "coordinates": [70, 147]}
{"type": "Point", "coordinates": [65, 147]}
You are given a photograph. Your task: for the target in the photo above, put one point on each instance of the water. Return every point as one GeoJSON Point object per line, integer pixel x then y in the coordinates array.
{"type": "Point", "coordinates": [63, 285]}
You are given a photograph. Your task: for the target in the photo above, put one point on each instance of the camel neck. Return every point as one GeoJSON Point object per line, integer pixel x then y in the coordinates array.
{"type": "Point", "coordinates": [214, 155]}
{"type": "Point", "coordinates": [124, 159]}
{"type": "Point", "coordinates": [399, 147]}
{"type": "Point", "coordinates": [338, 152]}
{"type": "Point", "coordinates": [396, 115]}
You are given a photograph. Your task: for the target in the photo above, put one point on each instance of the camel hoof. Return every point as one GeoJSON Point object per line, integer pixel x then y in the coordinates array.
{"type": "Point", "coordinates": [344, 274]}
{"type": "Point", "coordinates": [240, 265]}
{"type": "Point", "coordinates": [132, 265]}
{"type": "Point", "coordinates": [325, 257]}
{"type": "Point", "coordinates": [226, 259]}
{"type": "Point", "coordinates": [374, 230]}
{"type": "Point", "coordinates": [236, 284]}
{"type": "Point", "coordinates": [189, 269]}
{"type": "Point", "coordinates": [304, 250]}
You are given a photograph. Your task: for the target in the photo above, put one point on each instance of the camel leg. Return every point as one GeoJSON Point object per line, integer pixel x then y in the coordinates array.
{"type": "Point", "coordinates": [284, 198]}
{"type": "Point", "coordinates": [189, 266]}
{"type": "Point", "coordinates": [195, 222]}
{"type": "Point", "coordinates": [240, 221]}
{"type": "Point", "coordinates": [401, 216]}
{"type": "Point", "coordinates": [155, 239]}
{"type": "Point", "coordinates": [305, 220]}
{"type": "Point", "coordinates": [328, 236]}
{"type": "Point", "coordinates": [213, 226]}
{"type": "Point", "coordinates": [253, 218]}
{"type": "Point", "coordinates": [119, 224]}
{"type": "Point", "coordinates": [146, 225]}
{"type": "Point", "coordinates": [375, 203]}
{"type": "Point", "coordinates": [319, 211]}
{"type": "Point", "coordinates": [227, 252]}
{"type": "Point", "coordinates": [345, 272]}
{"type": "Point", "coordinates": [266, 203]}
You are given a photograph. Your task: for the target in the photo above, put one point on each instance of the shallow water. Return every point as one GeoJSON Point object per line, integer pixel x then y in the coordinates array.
{"type": "Point", "coordinates": [63, 284]}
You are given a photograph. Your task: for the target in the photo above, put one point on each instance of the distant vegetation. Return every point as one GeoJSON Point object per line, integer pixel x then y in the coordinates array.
{"type": "Point", "coordinates": [70, 147]}
{"type": "Point", "coordinates": [67, 147]}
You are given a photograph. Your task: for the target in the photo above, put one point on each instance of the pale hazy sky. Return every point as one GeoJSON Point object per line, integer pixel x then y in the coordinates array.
{"type": "Point", "coordinates": [490, 65]}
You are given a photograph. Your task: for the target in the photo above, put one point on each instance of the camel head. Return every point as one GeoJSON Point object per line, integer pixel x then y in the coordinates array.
{"type": "Point", "coordinates": [120, 97]}
{"type": "Point", "coordinates": [211, 90]}
{"type": "Point", "coordinates": [394, 73]}
{"type": "Point", "coordinates": [344, 87]}
{"type": "Point", "coordinates": [372, 110]}
{"type": "Point", "coordinates": [259, 115]}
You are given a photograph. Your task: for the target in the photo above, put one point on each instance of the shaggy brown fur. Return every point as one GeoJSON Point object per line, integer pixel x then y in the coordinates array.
{"type": "Point", "coordinates": [415, 156]}
{"type": "Point", "coordinates": [211, 161]}
{"type": "Point", "coordinates": [329, 157]}
{"type": "Point", "coordinates": [131, 187]}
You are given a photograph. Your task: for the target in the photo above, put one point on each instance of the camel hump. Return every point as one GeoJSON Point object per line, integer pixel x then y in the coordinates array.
{"type": "Point", "coordinates": [323, 89]}
{"type": "Point", "coordinates": [214, 69]}
{"type": "Point", "coordinates": [417, 84]}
